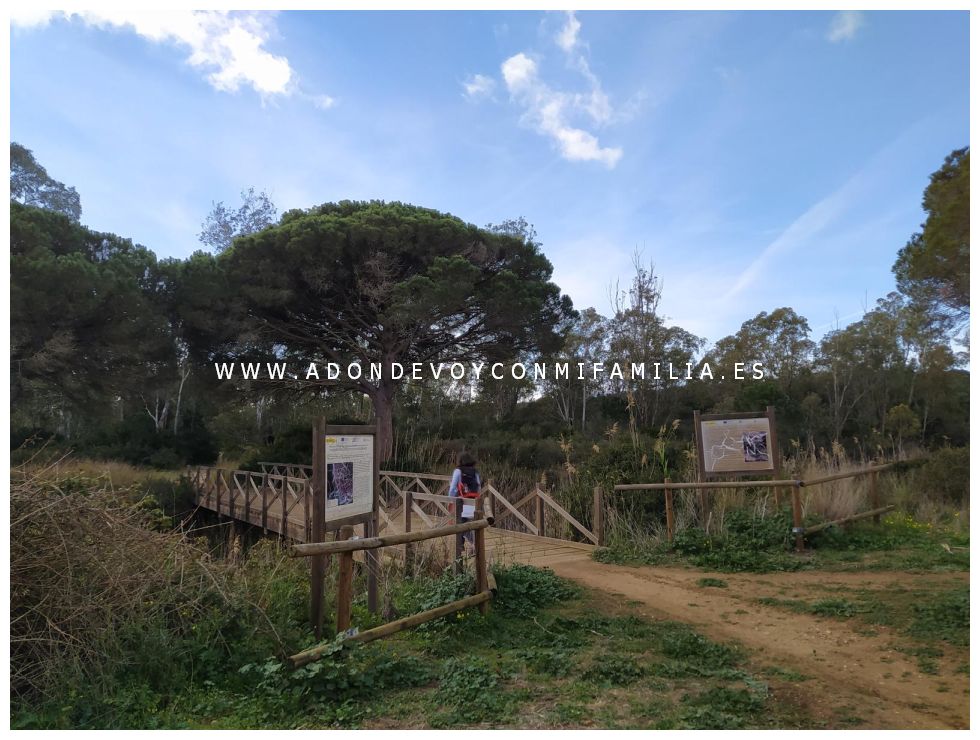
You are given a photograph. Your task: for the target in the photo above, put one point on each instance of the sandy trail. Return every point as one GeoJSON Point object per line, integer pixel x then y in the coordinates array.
{"type": "Point", "coordinates": [856, 677]}
{"type": "Point", "coordinates": [853, 674]}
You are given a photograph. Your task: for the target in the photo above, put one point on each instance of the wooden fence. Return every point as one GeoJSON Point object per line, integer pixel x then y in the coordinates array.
{"type": "Point", "coordinates": [668, 487]}
{"type": "Point", "coordinates": [424, 495]}
{"type": "Point", "coordinates": [276, 502]}
{"type": "Point", "coordinates": [345, 546]}
{"type": "Point", "coordinates": [280, 493]}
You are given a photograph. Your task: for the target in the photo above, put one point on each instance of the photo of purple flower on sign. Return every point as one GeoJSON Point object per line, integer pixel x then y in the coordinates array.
{"type": "Point", "coordinates": [340, 482]}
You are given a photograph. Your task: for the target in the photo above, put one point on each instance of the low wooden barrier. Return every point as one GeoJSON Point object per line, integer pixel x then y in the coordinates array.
{"type": "Point", "coordinates": [668, 487]}
{"type": "Point", "coordinates": [345, 547]}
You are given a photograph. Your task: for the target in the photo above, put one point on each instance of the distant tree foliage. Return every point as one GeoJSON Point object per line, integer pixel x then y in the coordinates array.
{"type": "Point", "coordinates": [223, 225]}
{"type": "Point", "coordinates": [383, 282]}
{"type": "Point", "coordinates": [935, 264]}
{"type": "Point", "coordinates": [112, 349]}
{"type": "Point", "coordinates": [31, 185]}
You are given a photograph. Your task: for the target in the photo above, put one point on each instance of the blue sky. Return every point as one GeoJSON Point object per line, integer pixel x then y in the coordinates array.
{"type": "Point", "coordinates": [759, 159]}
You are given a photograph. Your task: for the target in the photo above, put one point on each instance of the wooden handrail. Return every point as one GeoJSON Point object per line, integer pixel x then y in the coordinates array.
{"type": "Point", "coordinates": [846, 519]}
{"type": "Point", "coordinates": [705, 484]}
{"type": "Point", "coordinates": [566, 516]}
{"type": "Point", "coordinates": [372, 543]}
{"type": "Point", "coordinates": [423, 476]}
{"type": "Point", "coordinates": [500, 497]}
{"type": "Point", "coordinates": [841, 476]}
{"type": "Point", "coordinates": [315, 653]}
{"type": "Point", "coordinates": [752, 483]}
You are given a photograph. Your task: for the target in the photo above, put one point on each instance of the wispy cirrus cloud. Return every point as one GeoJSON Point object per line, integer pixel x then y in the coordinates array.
{"type": "Point", "coordinates": [228, 48]}
{"type": "Point", "coordinates": [844, 25]}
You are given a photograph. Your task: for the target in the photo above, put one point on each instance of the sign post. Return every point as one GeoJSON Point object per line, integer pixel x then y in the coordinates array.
{"type": "Point", "coordinates": [345, 492]}
{"type": "Point", "coordinates": [740, 445]}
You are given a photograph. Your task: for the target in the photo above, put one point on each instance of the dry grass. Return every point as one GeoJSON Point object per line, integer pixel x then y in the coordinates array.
{"type": "Point", "coordinates": [116, 474]}
{"type": "Point", "coordinates": [824, 502]}
{"type": "Point", "coordinates": [86, 565]}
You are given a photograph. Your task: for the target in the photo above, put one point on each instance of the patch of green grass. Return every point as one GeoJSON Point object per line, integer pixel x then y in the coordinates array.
{"type": "Point", "coordinates": [833, 608]}
{"type": "Point", "coordinates": [946, 617]}
{"type": "Point", "coordinates": [722, 708]}
{"type": "Point", "coordinates": [712, 583]}
{"type": "Point", "coordinates": [614, 670]}
{"type": "Point", "coordinates": [785, 674]}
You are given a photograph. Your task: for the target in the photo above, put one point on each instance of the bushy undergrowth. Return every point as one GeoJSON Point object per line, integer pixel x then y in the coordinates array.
{"type": "Point", "coordinates": [749, 543]}
{"type": "Point", "coordinates": [112, 612]}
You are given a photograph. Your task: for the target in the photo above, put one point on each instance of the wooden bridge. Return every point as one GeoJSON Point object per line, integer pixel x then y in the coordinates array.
{"type": "Point", "coordinates": [532, 528]}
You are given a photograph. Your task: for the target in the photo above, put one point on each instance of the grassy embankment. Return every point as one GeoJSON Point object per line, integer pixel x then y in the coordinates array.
{"type": "Point", "coordinates": [120, 621]}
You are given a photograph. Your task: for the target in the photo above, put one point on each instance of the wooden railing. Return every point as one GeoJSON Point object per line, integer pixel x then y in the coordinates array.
{"type": "Point", "coordinates": [291, 469]}
{"type": "Point", "coordinates": [277, 503]}
{"type": "Point", "coordinates": [412, 491]}
{"type": "Point", "coordinates": [280, 493]}
{"type": "Point", "coordinates": [345, 546]}
{"type": "Point", "coordinates": [668, 487]}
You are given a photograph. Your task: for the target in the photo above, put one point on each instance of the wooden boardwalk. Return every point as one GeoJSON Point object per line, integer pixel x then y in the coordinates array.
{"type": "Point", "coordinates": [278, 501]}
{"type": "Point", "coordinates": [503, 546]}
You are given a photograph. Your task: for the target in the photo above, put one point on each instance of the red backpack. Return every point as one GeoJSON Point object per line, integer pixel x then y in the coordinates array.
{"type": "Point", "coordinates": [469, 483]}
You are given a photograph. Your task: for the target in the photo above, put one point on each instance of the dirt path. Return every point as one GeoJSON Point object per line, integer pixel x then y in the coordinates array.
{"type": "Point", "coordinates": [853, 676]}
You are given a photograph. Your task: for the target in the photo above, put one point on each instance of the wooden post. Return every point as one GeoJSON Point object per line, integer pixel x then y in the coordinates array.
{"type": "Point", "coordinates": [371, 558]}
{"type": "Point", "coordinates": [409, 550]}
{"type": "Point", "coordinates": [480, 545]}
{"type": "Point", "coordinates": [458, 558]}
{"type": "Point", "coordinates": [798, 518]}
{"type": "Point", "coordinates": [669, 507]}
{"type": "Point", "coordinates": [248, 500]}
{"type": "Point", "coordinates": [283, 523]}
{"type": "Point", "coordinates": [217, 491]}
{"type": "Point", "coordinates": [775, 454]}
{"type": "Point", "coordinates": [703, 498]}
{"type": "Point", "coordinates": [345, 582]}
{"type": "Point", "coordinates": [539, 514]}
{"type": "Point", "coordinates": [310, 506]}
{"type": "Point", "coordinates": [265, 503]}
{"type": "Point", "coordinates": [873, 494]}
{"type": "Point", "coordinates": [598, 523]}
{"type": "Point", "coordinates": [316, 489]}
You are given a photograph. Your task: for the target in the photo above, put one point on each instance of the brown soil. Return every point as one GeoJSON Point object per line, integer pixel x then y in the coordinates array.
{"type": "Point", "coordinates": [856, 676]}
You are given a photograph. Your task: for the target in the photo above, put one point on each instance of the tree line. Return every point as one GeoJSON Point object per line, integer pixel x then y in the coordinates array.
{"type": "Point", "coordinates": [113, 348]}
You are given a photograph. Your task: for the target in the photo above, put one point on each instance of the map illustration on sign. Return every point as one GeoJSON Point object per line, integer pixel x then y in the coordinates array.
{"type": "Point", "coordinates": [350, 475]}
{"type": "Point", "coordinates": [736, 445]}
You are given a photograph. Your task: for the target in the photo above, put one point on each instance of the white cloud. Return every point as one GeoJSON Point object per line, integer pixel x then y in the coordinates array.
{"type": "Point", "coordinates": [844, 25]}
{"type": "Point", "coordinates": [479, 86]}
{"type": "Point", "coordinates": [567, 37]}
{"type": "Point", "coordinates": [547, 109]}
{"type": "Point", "coordinates": [323, 102]}
{"type": "Point", "coordinates": [519, 72]}
{"type": "Point", "coordinates": [228, 47]}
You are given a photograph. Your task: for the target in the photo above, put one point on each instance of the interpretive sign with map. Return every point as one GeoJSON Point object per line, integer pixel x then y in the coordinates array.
{"type": "Point", "coordinates": [349, 475]}
{"type": "Point", "coordinates": [736, 444]}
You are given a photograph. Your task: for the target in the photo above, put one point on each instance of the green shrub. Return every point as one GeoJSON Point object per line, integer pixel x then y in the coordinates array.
{"type": "Point", "coordinates": [945, 476]}
{"type": "Point", "coordinates": [946, 618]}
{"type": "Point", "coordinates": [523, 589]}
{"type": "Point", "coordinates": [833, 608]}
{"type": "Point", "coordinates": [610, 669]}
